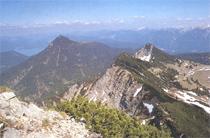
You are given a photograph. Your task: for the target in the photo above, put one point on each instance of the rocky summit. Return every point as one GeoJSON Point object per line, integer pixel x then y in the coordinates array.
{"type": "Point", "coordinates": [145, 53]}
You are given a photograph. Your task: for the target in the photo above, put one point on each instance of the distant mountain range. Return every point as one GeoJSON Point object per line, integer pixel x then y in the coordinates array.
{"type": "Point", "coordinates": [171, 40]}
{"type": "Point", "coordinates": [63, 63]}
{"type": "Point", "coordinates": [9, 59]}
{"type": "Point", "coordinates": [203, 58]}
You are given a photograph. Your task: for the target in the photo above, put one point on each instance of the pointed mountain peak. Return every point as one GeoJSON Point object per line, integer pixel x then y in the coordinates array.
{"type": "Point", "coordinates": [145, 53]}
{"type": "Point", "coordinates": [150, 52]}
{"type": "Point", "coordinates": [62, 38]}
{"type": "Point", "coordinates": [61, 41]}
{"type": "Point", "coordinates": [149, 47]}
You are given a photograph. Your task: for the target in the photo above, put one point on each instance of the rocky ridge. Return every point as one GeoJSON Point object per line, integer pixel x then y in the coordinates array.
{"type": "Point", "coordinates": [149, 89]}
{"type": "Point", "coordinates": [115, 88]}
{"type": "Point", "coordinates": [118, 82]}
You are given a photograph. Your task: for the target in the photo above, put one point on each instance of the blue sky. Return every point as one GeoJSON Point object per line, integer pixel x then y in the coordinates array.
{"type": "Point", "coordinates": [124, 13]}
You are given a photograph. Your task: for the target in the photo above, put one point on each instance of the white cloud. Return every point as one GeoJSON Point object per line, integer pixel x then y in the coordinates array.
{"type": "Point", "coordinates": [138, 17]}
{"type": "Point", "coordinates": [141, 28]}
{"type": "Point", "coordinates": [117, 20]}
{"type": "Point", "coordinates": [61, 22]}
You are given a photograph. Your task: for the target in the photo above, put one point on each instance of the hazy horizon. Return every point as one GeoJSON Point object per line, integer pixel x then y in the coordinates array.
{"type": "Point", "coordinates": [28, 26]}
{"type": "Point", "coordinates": [105, 14]}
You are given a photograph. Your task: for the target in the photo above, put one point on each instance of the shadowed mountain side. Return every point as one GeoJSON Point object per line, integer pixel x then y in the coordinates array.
{"type": "Point", "coordinates": [9, 59]}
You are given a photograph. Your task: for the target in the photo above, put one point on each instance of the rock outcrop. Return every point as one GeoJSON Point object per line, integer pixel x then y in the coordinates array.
{"type": "Point", "coordinates": [145, 54]}
{"type": "Point", "coordinates": [26, 120]}
{"type": "Point", "coordinates": [111, 86]}
{"type": "Point", "coordinates": [117, 88]}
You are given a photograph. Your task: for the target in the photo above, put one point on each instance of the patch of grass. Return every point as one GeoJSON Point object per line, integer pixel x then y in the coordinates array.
{"type": "Point", "coordinates": [137, 68]}
{"type": "Point", "coordinates": [189, 119]}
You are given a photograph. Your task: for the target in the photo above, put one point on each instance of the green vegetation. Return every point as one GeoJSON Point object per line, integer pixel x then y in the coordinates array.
{"type": "Point", "coordinates": [137, 68]}
{"type": "Point", "coordinates": [190, 120]}
{"type": "Point", "coordinates": [108, 121]}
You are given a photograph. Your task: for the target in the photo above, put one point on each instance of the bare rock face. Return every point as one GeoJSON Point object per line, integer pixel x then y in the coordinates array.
{"type": "Point", "coordinates": [73, 91]}
{"type": "Point", "coordinates": [145, 53]}
{"type": "Point", "coordinates": [117, 88]}
{"type": "Point", "coordinates": [112, 86]}
{"type": "Point", "coordinates": [23, 120]}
